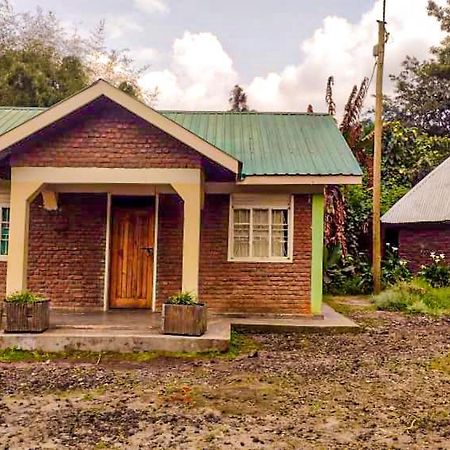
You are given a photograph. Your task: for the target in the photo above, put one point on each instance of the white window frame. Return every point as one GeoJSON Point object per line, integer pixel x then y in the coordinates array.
{"type": "Point", "coordinates": [5, 205]}
{"type": "Point", "coordinates": [260, 204]}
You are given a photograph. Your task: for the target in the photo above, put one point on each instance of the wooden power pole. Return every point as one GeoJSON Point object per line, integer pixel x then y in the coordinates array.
{"type": "Point", "coordinates": [376, 253]}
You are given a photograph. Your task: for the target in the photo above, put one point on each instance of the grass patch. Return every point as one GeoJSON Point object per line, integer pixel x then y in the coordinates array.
{"type": "Point", "coordinates": [348, 305]}
{"type": "Point", "coordinates": [416, 297]}
{"type": "Point", "coordinates": [239, 344]}
{"type": "Point", "coordinates": [441, 364]}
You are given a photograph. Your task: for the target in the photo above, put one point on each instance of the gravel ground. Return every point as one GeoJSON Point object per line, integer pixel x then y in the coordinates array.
{"type": "Point", "coordinates": [385, 387]}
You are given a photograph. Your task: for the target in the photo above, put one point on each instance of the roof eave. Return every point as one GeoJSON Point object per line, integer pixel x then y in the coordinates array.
{"type": "Point", "coordinates": [264, 180]}
{"type": "Point", "coordinates": [102, 88]}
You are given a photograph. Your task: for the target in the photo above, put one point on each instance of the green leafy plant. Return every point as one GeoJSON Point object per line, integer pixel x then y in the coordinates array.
{"type": "Point", "coordinates": [437, 274]}
{"type": "Point", "coordinates": [346, 275]}
{"type": "Point", "coordinates": [183, 298]}
{"type": "Point", "coordinates": [24, 297]}
{"type": "Point", "coordinates": [394, 268]}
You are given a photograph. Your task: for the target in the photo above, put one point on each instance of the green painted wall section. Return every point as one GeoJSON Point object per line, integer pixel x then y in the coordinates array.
{"type": "Point", "coordinates": [317, 253]}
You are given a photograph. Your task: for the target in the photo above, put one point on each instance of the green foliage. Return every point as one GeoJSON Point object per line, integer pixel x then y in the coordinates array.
{"type": "Point", "coordinates": [347, 275]}
{"type": "Point", "coordinates": [415, 296]}
{"type": "Point", "coordinates": [183, 298]}
{"type": "Point", "coordinates": [39, 77]}
{"type": "Point", "coordinates": [422, 89]}
{"type": "Point", "coordinates": [394, 269]}
{"type": "Point", "coordinates": [24, 297]}
{"type": "Point", "coordinates": [353, 275]}
{"type": "Point", "coordinates": [437, 274]}
{"type": "Point", "coordinates": [42, 63]}
{"type": "Point", "coordinates": [238, 100]}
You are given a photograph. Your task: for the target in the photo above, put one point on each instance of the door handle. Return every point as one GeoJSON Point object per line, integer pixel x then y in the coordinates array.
{"type": "Point", "coordinates": [148, 250]}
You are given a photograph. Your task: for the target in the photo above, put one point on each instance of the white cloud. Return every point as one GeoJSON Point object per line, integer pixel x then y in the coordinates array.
{"type": "Point", "coordinates": [344, 49]}
{"type": "Point", "coordinates": [152, 6]}
{"type": "Point", "coordinates": [144, 55]}
{"type": "Point", "coordinates": [201, 73]}
{"type": "Point", "coordinates": [118, 26]}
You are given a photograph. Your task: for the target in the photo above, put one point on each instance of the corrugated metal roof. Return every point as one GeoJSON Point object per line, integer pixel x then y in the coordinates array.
{"type": "Point", "coordinates": [274, 143]}
{"type": "Point", "coordinates": [265, 143]}
{"type": "Point", "coordinates": [12, 117]}
{"type": "Point", "coordinates": [427, 201]}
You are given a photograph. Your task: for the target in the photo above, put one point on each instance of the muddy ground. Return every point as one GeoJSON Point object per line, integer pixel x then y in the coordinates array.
{"type": "Point", "coordinates": [386, 387]}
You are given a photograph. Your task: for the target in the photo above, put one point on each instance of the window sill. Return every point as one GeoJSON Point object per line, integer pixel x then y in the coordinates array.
{"type": "Point", "coordinates": [261, 260]}
{"type": "Point", "coordinates": [3, 258]}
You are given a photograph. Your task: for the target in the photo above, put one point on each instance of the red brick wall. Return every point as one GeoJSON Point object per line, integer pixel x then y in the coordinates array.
{"type": "Point", "coordinates": [170, 247]}
{"type": "Point", "coordinates": [105, 135]}
{"type": "Point", "coordinates": [67, 250]}
{"type": "Point", "coordinates": [417, 242]}
{"type": "Point", "coordinates": [2, 280]}
{"type": "Point", "coordinates": [254, 287]}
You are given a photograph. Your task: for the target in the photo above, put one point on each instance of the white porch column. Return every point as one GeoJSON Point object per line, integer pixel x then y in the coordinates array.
{"type": "Point", "coordinates": [192, 196]}
{"type": "Point", "coordinates": [22, 193]}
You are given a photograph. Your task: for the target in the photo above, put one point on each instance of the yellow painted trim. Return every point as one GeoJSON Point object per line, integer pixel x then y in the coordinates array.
{"type": "Point", "coordinates": [192, 197]}
{"type": "Point", "coordinates": [102, 88]}
{"type": "Point", "coordinates": [300, 179]}
{"type": "Point", "coordinates": [107, 254]}
{"type": "Point", "coordinates": [22, 194]}
{"type": "Point", "coordinates": [95, 175]}
{"type": "Point", "coordinates": [155, 253]}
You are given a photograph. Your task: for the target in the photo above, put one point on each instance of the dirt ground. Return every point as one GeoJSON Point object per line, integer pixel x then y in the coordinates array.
{"type": "Point", "coordinates": [385, 387]}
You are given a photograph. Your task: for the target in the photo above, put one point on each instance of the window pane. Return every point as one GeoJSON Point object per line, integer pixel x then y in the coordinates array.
{"type": "Point", "coordinates": [280, 233]}
{"type": "Point", "coordinates": [4, 231]}
{"type": "Point", "coordinates": [5, 215]}
{"type": "Point", "coordinates": [261, 232]}
{"type": "Point", "coordinates": [241, 243]}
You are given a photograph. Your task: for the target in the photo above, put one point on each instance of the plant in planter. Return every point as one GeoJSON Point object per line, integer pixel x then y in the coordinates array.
{"type": "Point", "coordinates": [26, 313]}
{"type": "Point", "coordinates": [182, 314]}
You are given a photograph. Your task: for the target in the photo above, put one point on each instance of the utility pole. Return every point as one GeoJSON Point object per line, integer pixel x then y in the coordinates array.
{"type": "Point", "coordinates": [376, 250]}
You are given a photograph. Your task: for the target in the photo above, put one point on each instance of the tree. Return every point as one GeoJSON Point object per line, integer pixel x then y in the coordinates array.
{"type": "Point", "coordinates": [238, 99]}
{"type": "Point", "coordinates": [41, 63]}
{"type": "Point", "coordinates": [37, 77]}
{"type": "Point", "coordinates": [422, 89]}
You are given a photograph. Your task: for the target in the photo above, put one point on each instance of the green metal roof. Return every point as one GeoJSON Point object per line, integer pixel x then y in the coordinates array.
{"type": "Point", "coordinates": [265, 143]}
{"type": "Point", "coordinates": [274, 143]}
{"type": "Point", "coordinates": [12, 117]}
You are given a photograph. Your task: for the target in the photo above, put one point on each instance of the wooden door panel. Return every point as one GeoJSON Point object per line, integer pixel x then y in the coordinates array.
{"type": "Point", "coordinates": [131, 264]}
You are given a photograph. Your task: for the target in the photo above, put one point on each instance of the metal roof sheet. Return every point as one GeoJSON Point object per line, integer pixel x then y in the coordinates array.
{"type": "Point", "coordinates": [274, 143]}
{"type": "Point", "coordinates": [427, 201]}
{"type": "Point", "coordinates": [12, 117]}
{"type": "Point", "coordinates": [265, 143]}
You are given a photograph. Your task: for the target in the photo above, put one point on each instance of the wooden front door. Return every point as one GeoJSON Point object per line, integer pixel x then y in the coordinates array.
{"type": "Point", "coordinates": [132, 235]}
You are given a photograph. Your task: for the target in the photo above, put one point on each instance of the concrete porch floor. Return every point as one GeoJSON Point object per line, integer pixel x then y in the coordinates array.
{"type": "Point", "coordinates": [130, 331]}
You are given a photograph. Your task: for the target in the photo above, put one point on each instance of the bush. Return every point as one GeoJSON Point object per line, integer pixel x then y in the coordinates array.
{"type": "Point", "coordinates": [24, 297]}
{"type": "Point", "coordinates": [394, 269]}
{"type": "Point", "coordinates": [183, 298]}
{"type": "Point", "coordinates": [437, 274]}
{"type": "Point", "coordinates": [416, 296]}
{"type": "Point", "coordinates": [347, 275]}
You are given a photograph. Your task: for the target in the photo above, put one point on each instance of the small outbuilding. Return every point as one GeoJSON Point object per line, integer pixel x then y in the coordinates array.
{"type": "Point", "coordinates": [420, 221]}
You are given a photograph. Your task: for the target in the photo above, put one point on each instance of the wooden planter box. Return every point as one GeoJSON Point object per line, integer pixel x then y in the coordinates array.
{"type": "Point", "coordinates": [27, 318]}
{"type": "Point", "coordinates": [187, 320]}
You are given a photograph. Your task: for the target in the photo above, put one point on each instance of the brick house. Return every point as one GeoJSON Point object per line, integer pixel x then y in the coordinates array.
{"type": "Point", "coordinates": [107, 203]}
{"type": "Point", "coordinates": [419, 223]}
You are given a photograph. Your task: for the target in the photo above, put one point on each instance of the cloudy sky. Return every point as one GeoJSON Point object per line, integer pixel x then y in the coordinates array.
{"type": "Point", "coordinates": [281, 51]}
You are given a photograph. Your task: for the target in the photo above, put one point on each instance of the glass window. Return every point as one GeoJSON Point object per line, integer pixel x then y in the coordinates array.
{"type": "Point", "coordinates": [4, 231]}
{"type": "Point", "coordinates": [260, 234]}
